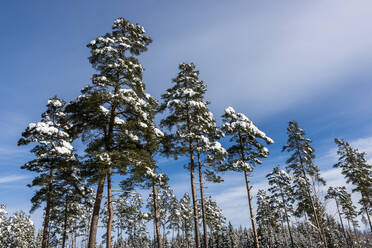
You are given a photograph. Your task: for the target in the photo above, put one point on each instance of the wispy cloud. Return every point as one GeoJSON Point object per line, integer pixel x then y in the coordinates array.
{"type": "Point", "coordinates": [13, 178]}
{"type": "Point", "coordinates": [272, 59]}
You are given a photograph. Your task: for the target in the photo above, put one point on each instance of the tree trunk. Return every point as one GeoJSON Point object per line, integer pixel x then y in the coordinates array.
{"type": "Point", "coordinates": [44, 242]}
{"type": "Point", "coordinates": [368, 217]}
{"type": "Point", "coordinates": [251, 209]}
{"type": "Point", "coordinates": [95, 215]}
{"type": "Point", "coordinates": [202, 203]}
{"type": "Point", "coordinates": [192, 181]}
{"type": "Point", "coordinates": [156, 215]}
{"type": "Point", "coordinates": [287, 219]}
{"type": "Point", "coordinates": [164, 235]}
{"type": "Point", "coordinates": [308, 232]}
{"type": "Point", "coordinates": [254, 229]}
{"type": "Point", "coordinates": [356, 235]}
{"type": "Point", "coordinates": [342, 223]}
{"type": "Point", "coordinates": [65, 226]}
{"type": "Point", "coordinates": [110, 210]}
{"type": "Point", "coordinates": [285, 235]}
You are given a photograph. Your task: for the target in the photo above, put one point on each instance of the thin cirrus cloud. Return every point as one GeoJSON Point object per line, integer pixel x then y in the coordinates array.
{"type": "Point", "coordinates": [278, 58]}
{"type": "Point", "coordinates": [13, 178]}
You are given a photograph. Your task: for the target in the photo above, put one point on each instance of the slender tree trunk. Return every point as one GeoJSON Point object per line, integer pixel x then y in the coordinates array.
{"type": "Point", "coordinates": [319, 229]}
{"type": "Point", "coordinates": [156, 215]}
{"type": "Point", "coordinates": [287, 218]}
{"type": "Point", "coordinates": [251, 209]}
{"type": "Point", "coordinates": [368, 217]}
{"type": "Point", "coordinates": [285, 235]}
{"type": "Point", "coordinates": [193, 191]}
{"type": "Point", "coordinates": [315, 213]}
{"type": "Point", "coordinates": [44, 242]}
{"type": "Point", "coordinates": [249, 193]}
{"type": "Point", "coordinates": [192, 181]}
{"type": "Point", "coordinates": [308, 231]}
{"type": "Point", "coordinates": [95, 215]}
{"type": "Point", "coordinates": [342, 223]}
{"type": "Point", "coordinates": [356, 235]}
{"type": "Point", "coordinates": [202, 203]}
{"type": "Point", "coordinates": [349, 233]}
{"type": "Point", "coordinates": [164, 235]}
{"type": "Point", "coordinates": [65, 226]}
{"type": "Point", "coordinates": [110, 210]}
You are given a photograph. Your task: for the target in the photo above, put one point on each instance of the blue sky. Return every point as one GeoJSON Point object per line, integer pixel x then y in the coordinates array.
{"type": "Point", "coordinates": [275, 61]}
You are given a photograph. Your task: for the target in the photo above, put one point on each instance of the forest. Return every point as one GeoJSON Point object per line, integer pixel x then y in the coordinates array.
{"type": "Point", "coordinates": [115, 128]}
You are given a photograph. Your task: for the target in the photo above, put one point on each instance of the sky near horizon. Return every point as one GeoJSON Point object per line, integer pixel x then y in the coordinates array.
{"type": "Point", "coordinates": [274, 61]}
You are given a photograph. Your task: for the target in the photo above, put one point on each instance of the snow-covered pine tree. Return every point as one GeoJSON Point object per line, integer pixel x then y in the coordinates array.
{"type": "Point", "coordinates": [210, 154]}
{"type": "Point", "coordinates": [52, 150]}
{"type": "Point", "coordinates": [357, 171]}
{"type": "Point", "coordinates": [131, 218]}
{"type": "Point", "coordinates": [349, 211]}
{"type": "Point", "coordinates": [281, 188]}
{"type": "Point", "coordinates": [114, 112]}
{"type": "Point", "coordinates": [301, 165]}
{"type": "Point", "coordinates": [3, 226]}
{"type": "Point", "coordinates": [245, 151]}
{"type": "Point", "coordinates": [214, 218]}
{"type": "Point", "coordinates": [268, 216]}
{"type": "Point", "coordinates": [20, 231]}
{"type": "Point", "coordinates": [187, 111]}
{"type": "Point", "coordinates": [336, 194]}
{"type": "Point", "coordinates": [174, 218]}
{"type": "Point", "coordinates": [186, 210]}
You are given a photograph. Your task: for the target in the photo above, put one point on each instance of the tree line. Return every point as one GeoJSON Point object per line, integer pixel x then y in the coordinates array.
{"type": "Point", "coordinates": [113, 120]}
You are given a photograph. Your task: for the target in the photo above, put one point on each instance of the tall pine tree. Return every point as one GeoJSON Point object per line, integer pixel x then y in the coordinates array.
{"type": "Point", "coordinates": [281, 187]}
{"type": "Point", "coordinates": [306, 174]}
{"type": "Point", "coordinates": [52, 150]}
{"type": "Point", "coordinates": [357, 171]}
{"type": "Point", "coordinates": [114, 112]}
{"type": "Point", "coordinates": [187, 111]}
{"type": "Point", "coordinates": [245, 151]}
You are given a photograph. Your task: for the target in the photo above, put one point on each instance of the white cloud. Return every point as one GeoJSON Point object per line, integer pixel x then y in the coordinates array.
{"type": "Point", "coordinates": [271, 58]}
{"type": "Point", "coordinates": [13, 178]}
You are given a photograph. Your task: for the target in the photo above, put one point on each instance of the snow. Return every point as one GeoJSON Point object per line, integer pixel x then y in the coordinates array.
{"type": "Point", "coordinates": [118, 121]}
{"type": "Point", "coordinates": [55, 102]}
{"type": "Point", "coordinates": [158, 132]}
{"type": "Point", "coordinates": [65, 148]}
{"type": "Point", "coordinates": [47, 128]}
{"type": "Point", "coordinates": [104, 110]}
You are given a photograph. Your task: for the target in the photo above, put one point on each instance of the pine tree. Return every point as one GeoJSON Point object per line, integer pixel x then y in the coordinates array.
{"type": "Point", "coordinates": [20, 231]}
{"type": "Point", "coordinates": [336, 193]}
{"type": "Point", "coordinates": [3, 226]}
{"type": "Point", "coordinates": [52, 150]}
{"type": "Point", "coordinates": [245, 151]}
{"type": "Point", "coordinates": [281, 187]}
{"type": "Point", "coordinates": [174, 219]}
{"type": "Point", "coordinates": [267, 215]}
{"type": "Point", "coordinates": [132, 220]}
{"type": "Point", "coordinates": [356, 171]}
{"type": "Point", "coordinates": [350, 211]}
{"type": "Point", "coordinates": [187, 112]}
{"type": "Point", "coordinates": [302, 166]}
{"type": "Point", "coordinates": [112, 113]}
{"type": "Point", "coordinates": [214, 218]}
{"type": "Point", "coordinates": [186, 216]}
{"type": "Point", "coordinates": [210, 154]}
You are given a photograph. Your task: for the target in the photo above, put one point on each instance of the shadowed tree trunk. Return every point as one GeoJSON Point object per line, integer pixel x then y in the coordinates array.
{"type": "Point", "coordinates": [202, 203]}
{"type": "Point", "coordinates": [44, 242]}
{"type": "Point", "coordinates": [110, 210]}
{"type": "Point", "coordinates": [95, 215]}
{"type": "Point", "coordinates": [65, 226]}
{"type": "Point", "coordinates": [254, 229]}
{"type": "Point", "coordinates": [156, 215]}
